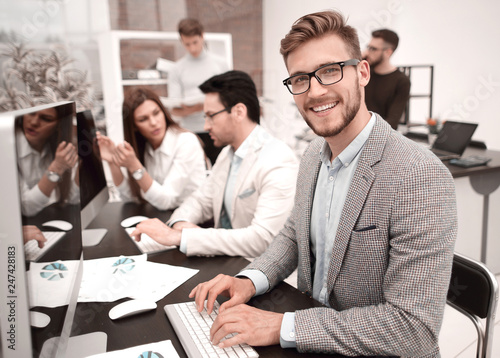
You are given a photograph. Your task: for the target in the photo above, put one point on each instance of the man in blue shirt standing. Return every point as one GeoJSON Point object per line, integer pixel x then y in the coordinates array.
{"type": "Point", "coordinates": [372, 230]}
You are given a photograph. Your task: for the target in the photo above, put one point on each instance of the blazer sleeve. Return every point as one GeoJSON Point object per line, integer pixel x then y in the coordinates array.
{"type": "Point", "coordinates": [198, 207]}
{"type": "Point", "coordinates": [275, 187]}
{"type": "Point", "coordinates": [406, 321]}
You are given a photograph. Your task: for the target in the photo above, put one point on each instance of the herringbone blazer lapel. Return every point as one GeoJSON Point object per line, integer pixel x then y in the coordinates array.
{"type": "Point", "coordinates": [362, 181]}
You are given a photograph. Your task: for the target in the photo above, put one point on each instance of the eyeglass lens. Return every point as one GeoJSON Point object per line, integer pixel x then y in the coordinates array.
{"type": "Point", "coordinates": [326, 75]}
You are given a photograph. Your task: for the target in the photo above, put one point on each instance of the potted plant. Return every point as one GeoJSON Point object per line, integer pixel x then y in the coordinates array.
{"type": "Point", "coordinates": [32, 77]}
{"type": "Point", "coordinates": [434, 126]}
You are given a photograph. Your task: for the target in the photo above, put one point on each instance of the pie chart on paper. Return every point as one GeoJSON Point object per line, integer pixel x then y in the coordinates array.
{"type": "Point", "coordinates": [150, 354]}
{"type": "Point", "coordinates": [124, 265]}
{"type": "Point", "coordinates": [54, 271]}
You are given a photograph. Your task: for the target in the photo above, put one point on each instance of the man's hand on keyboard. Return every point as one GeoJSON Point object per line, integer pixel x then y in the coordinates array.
{"type": "Point", "coordinates": [31, 232]}
{"type": "Point", "coordinates": [250, 325]}
{"type": "Point", "coordinates": [239, 290]}
{"type": "Point", "coordinates": [158, 231]}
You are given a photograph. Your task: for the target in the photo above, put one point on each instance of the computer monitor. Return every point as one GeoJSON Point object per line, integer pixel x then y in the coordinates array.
{"type": "Point", "coordinates": [29, 140]}
{"type": "Point", "coordinates": [94, 192]}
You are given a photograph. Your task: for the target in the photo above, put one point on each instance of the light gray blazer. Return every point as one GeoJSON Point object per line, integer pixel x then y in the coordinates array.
{"type": "Point", "coordinates": [391, 261]}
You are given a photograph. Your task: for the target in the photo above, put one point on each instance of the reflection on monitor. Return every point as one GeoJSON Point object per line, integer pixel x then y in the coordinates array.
{"type": "Point", "coordinates": [37, 187]}
{"type": "Point", "coordinates": [94, 192]}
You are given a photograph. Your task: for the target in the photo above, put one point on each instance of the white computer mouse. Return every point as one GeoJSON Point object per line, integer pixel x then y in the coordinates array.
{"type": "Point", "coordinates": [59, 224]}
{"type": "Point", "coordinates": [132, 307]}
{"type": "Point", "coordinates": [39, 319]}
{"type": "Point", "coordinates": [133, 220]}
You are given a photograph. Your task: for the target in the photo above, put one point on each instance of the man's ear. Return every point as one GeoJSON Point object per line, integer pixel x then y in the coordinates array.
{"type": "Point", "coordinates": [240, 110]}
{"type": "Point", "coordinates": [363, 73]}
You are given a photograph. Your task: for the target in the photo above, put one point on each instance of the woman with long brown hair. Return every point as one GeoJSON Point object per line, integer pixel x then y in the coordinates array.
{"type": "Point", "coordinates": [162, 163]}
{"type": "Point", "coordinates": [47, 158]}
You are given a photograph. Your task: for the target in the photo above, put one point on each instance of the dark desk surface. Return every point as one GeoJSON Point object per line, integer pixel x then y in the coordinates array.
{"type": "Point", "coordinates": [492, 166]}
{"type": "Point", "coordinates": [154, 326]}
{"type": "Point", "coordinates": [456, 171]}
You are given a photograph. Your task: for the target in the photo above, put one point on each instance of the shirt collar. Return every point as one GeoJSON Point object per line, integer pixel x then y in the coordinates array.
{"type": "Point", "coordinates": [242, 150]}
{"type": "Point", "coordinates": [24, 149]}
{"type": "Point", "coordinates": [201, 56]}
{"type": "Point", "coordinates": [166, 146]}
{"type": "Point", "coordinates": [352, 150]}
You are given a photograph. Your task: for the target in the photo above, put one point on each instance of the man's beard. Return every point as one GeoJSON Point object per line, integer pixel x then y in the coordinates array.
{"type": "Point", "coordinates": [376, 62]}
{"type": "Point", "coordinates": [351, 109]}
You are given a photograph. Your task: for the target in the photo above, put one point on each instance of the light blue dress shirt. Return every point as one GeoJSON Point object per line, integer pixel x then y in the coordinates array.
{"type": "Point", "coordinates": [334, 180]}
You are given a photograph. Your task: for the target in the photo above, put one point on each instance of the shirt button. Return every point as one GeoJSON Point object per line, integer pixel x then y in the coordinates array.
{"type": "Point", "coordinates": [330, 178]}
{"type": "Point", "coordinates": [292, 334]}
{"type": "Point", "coordinates": [346, 165]}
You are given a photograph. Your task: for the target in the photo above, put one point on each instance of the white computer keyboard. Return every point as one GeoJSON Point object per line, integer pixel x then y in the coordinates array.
{"type": "Point", "coordinates": [193, 330]}
{"type": "Point", "coordinates": [147, 245]}
{"type": "Point", "coordinates": [31, 250]}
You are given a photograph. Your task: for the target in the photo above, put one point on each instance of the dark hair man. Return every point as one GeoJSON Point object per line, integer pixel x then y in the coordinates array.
{"type": "Point", "coordinates": [249, 193]}
{"type": "Point", "coordinates": [388, 91]}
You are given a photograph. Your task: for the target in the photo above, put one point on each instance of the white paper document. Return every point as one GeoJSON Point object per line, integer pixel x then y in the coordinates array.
{"type": "Point", "coordinates": [162, 349]}
{"type": "Point", "coordinates": [104, 280]}
{"type": "Point", "coordinates": [49, 283]}
{"type": "Point", "coordinates": [111, 278]}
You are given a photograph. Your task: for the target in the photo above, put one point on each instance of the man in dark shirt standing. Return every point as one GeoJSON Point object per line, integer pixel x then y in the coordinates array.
{"type": "Point", "coordinates": [388, 89]}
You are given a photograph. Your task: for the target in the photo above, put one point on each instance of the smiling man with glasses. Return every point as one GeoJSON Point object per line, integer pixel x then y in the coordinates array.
{"type": "Point", "coordinates": [389, 88]}
{"type": "Point", "coordinates": [372, 229]}
{"type": "Point", "coordinates": [249, 193]}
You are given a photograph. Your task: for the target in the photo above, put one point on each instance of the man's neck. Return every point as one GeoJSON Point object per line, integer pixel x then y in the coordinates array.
{"type": "Point", "coordinates": [340, 142]}
{"type": "Point", "coordinates": [243, 134]}
{"type": "Point", "coordinates": [384, 68]}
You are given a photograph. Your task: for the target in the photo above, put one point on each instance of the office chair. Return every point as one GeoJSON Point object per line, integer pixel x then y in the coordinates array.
{"type": "Point", "coordinates": [473, 291]}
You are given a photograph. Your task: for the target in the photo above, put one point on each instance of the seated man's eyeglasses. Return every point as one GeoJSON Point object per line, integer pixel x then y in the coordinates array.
{"type": "Point", "coordinates": [210, 117]}
{"type": "Point", "coordinates": [326, 75]}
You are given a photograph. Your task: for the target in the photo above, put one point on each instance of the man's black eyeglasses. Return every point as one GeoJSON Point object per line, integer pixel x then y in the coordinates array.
{"type": "Point", "coordinates": [211, 116]}
{"type": "Point", "coordinates": [326, 75]}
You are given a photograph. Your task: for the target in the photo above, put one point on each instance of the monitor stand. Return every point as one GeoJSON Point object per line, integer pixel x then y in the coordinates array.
{"type": "Point", "coordinates": [78, 346]}
{"type": "Point", "coordinates": [92, 237]}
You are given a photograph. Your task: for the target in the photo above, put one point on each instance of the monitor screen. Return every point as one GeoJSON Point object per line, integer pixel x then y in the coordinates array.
{"type": "Point", "coordinates": [94, 192]}
{"type": "Point", "coordinates": [40, 184]}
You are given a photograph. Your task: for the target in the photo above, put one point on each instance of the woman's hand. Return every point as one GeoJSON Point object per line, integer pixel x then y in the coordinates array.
{"type": "Point", "coordinates": [66, 158]}
{"type": "Point", "coordinates": [106, 146]}
{"type": "Point", "coordinates": [125, 157]}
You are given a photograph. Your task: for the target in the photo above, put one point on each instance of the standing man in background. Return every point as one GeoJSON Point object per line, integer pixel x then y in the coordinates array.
{"type": "Point", "coordinates": [389, 89]}
{"type": "Point", "coordinates": [187, 74]}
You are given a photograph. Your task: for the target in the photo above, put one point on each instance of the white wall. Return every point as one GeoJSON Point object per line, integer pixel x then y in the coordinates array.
{"type": "Point", "coordinates": [459, 38]}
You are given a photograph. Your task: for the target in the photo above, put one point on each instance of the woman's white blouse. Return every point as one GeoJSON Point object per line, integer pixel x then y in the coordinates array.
{"type": "Point", "coordinates": [177, 167]}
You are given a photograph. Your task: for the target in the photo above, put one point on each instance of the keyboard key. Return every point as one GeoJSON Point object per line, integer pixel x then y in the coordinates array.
{"type": "Point", "coordinates": [193, 330]}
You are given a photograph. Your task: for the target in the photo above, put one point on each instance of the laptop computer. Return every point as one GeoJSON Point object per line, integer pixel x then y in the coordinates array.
{"type": "Point", "coordinates": [452, 139]}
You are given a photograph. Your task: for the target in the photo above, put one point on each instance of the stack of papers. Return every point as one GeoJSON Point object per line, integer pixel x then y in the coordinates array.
{"type": "Point", "coordinates": [105, 280]}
